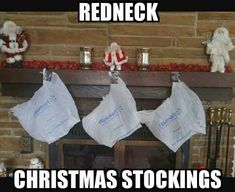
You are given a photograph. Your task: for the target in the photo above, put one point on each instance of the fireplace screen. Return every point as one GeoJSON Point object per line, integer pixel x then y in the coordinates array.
{"type": "Point", "coordinates": [125, 154]}
{"type": "Point", "coordinates": [151, 157]}
{"type": "Point", "coordinates": [88, 157]}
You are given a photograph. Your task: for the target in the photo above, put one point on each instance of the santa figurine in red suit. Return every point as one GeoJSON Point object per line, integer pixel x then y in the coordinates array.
{"type": "Point", "coordinates": [13, 43]}
{"type": "Point", "coordinates": [115, 57]}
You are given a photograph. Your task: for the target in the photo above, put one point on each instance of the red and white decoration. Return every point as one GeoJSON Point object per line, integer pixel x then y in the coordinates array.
{"type": "Point", "coordinates": [115, 57]}
{"type": "Point", "coordinates": [72, 65]}
{"type": "Point", "coordinates": [13, 43]}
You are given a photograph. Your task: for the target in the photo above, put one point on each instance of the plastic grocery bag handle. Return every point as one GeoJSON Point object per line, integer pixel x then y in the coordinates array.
{"type": "Point", "coordinates": [46, 74]}
{"type": "Point", "coordinates": [175, 76]}
{"type": "Point", "coordinates": [174, 79]}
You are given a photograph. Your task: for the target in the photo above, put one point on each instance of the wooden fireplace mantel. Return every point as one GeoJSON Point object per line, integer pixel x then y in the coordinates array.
{"type": "Point", "coordinates": [142, 84]}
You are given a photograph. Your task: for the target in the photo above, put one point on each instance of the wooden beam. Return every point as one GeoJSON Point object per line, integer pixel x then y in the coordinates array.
{"type": "Point", "coordinates": [97, 91]}
{"type": "Point", "coordinates": [132, 78]}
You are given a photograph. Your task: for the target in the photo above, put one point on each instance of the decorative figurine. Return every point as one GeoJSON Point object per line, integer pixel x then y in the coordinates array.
{"type": "Point", "coordinates": [86, 57]}
{"type": "Point", "coordinates": [13, 43]}
{"type": "Point", "coordinates": [115, 57]}
{"type": "Point", "coordinates": [218, 49]}
{"type": "Point", "coordinates": [143, 58]}
{"type": "Point", "coordinates": [3, 170]}
{"type": "Point", "coordinates": [35, 163]}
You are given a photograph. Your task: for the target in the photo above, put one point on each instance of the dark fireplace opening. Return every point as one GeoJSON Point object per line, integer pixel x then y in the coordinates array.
{"type": "Point", "coordinates": [78, 156]}
{"type": "Point", "coordinates": [151, 157]}
{"type": "Point", "coordinates": [141, 150]}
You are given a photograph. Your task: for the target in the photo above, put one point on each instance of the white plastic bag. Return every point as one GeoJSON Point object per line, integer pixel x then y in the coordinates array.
{"type": "Point", "coordinates": [115, 118]}
{"type": "Point", "coordinates": [178, 118]}
{"type": "Point", "coordinates": [50, 113]}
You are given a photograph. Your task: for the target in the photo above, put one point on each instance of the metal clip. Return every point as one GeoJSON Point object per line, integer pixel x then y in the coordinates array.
{"type": "Point", "coordinates": [46, 74]}
{"type": "Point", "coordinates": [175, 76]}
{"type": "Point", "coordinates": [114, 76]}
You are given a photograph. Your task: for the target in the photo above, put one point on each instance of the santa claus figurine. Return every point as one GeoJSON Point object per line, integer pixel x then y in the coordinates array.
{"type": "Point", "coordinates": [218, 49]}
{"type": "Point", "coordinates": [13, 43]}
{"type": "Point", "coordinates": [115, 57]}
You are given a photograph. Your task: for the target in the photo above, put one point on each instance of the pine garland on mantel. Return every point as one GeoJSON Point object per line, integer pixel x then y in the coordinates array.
{"type": "Point", "coordinates": [72, 65]}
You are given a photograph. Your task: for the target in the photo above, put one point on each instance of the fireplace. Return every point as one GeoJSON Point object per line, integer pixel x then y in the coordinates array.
{"type": "Point", "coordinates": [141, 149]}
{"type": "Point", "coordinates": [77, 150]}
{"type": "Point", "coordinates": [151, 155]}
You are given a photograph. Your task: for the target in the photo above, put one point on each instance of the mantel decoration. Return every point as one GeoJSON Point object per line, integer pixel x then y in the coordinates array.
{"type": "Point", "coordinates": [218, 49]}
{"type": "Point", "coordinates": [13, 43]}
{"type": "Point", "coordinates": [115, 57]}
{"type": "Point", "coordinates": [72, 65]}
{"type": "Point", "coordinates": [3, 170]}
{"type": "Point", "coordinates": [86, 57]}
{"type": "Point", "coordinates": [35, 163]}
{"type": "Point", "coordinates": [143, 58]}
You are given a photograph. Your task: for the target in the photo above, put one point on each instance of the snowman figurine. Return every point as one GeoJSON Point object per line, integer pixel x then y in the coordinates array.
{"type": "Point", "coordinates": [3, 170]}
{"type": "Point", "coordinates": [35, 163]}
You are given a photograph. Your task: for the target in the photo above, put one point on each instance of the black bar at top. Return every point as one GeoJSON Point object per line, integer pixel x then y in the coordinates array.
{"type": "Point", "coordinates": [72, 5]}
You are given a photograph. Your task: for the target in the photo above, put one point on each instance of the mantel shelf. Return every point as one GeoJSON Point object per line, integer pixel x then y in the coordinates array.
{"type": "Point", "coordinates": [143, 84]}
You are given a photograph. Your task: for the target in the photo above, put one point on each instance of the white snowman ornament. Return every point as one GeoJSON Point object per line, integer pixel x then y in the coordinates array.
{"type": "Point", "coordinates": [35, 163]}
{"type": "Point", "coordinates": [3, 170]}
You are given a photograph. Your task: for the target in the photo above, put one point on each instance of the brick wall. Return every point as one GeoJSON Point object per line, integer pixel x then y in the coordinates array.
{"type": "Point", "coordinates": [58, 36]}
{"type": "Point", "coordinates": [177, 38]}
{"type": "Point", "coordinates": [10, 137]}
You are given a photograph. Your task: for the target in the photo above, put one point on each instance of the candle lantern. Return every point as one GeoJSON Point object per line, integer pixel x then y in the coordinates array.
{"type": "Point", "coordinates": [86, 57]}
{"type": "Point", "coordinates": [143, 58]}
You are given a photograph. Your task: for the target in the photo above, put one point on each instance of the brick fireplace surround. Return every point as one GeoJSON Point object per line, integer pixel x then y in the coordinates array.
{"type": "Point", "coordinates": [57, 36]}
